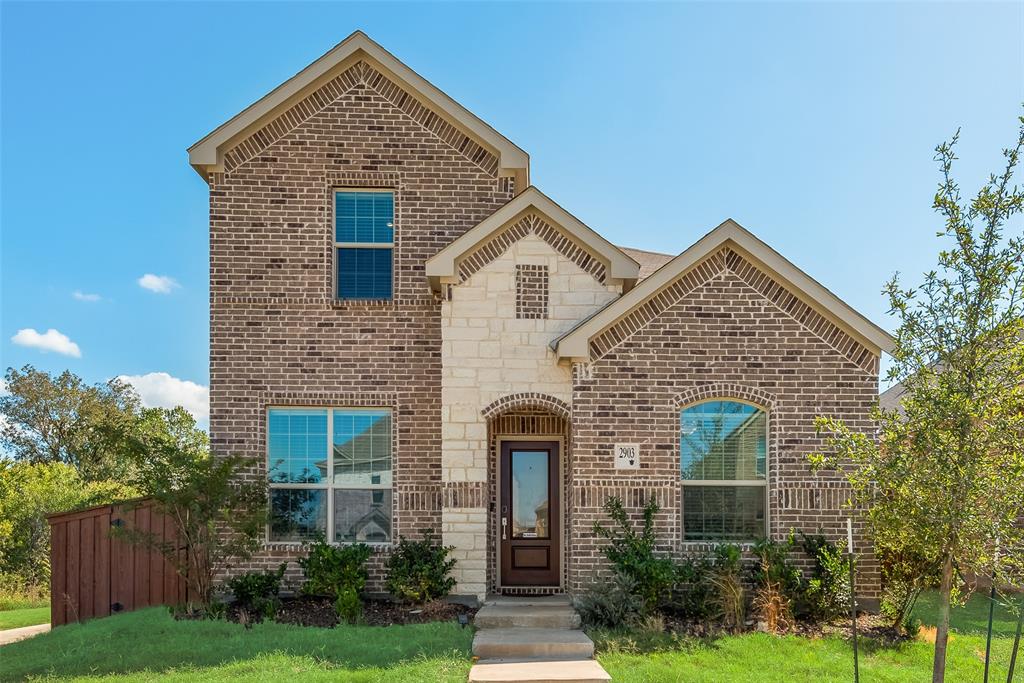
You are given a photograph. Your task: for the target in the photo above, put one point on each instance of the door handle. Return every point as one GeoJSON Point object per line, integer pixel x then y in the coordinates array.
{"type": "Point", "coordinates": [504, 526]}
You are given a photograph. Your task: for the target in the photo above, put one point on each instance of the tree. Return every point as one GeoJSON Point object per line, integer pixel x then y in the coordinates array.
{"type": "Point", "coordinates": [945, 478]}
{"type": "Point", "coordinates": [219, 515]}
{"type": "Point", "coordinates": [61, 419]}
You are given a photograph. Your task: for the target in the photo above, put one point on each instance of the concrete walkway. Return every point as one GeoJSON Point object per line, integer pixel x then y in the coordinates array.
{"type": "Point", "coordinates": [533, 640]}
{"type": "Point", "coordinates": [14, 634]}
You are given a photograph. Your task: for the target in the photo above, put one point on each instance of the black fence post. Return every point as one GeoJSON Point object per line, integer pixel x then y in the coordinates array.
{"type": "Point", "coordinates": [853, 599]}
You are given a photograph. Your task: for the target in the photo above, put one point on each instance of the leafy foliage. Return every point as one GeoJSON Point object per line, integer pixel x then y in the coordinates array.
{"type": "Point", "coordinates": [827, 592]}
{"type": "Point", "coordinates": [61, 419]}
{"type": "Point", "coordinates": [613, 603]}
{"type": "Point", "coordinates": [419, 571]}
{"type": "Point", "coordinates": [945, 477]}
{"type": "Point", "coordinates": [337, 572]}
{"type": "Point", "coordinates": [632, 554]}
{"type": "Point", "coordinates": [29, 492]}
{"type": "Point", "coordinates": [692, 592]}
{"type": "Point", "coordinates": [218, 513]}
{"type": "Point", "coordinates": [257, 592]}
{"type": "Point", "coordinates": [778, 584]}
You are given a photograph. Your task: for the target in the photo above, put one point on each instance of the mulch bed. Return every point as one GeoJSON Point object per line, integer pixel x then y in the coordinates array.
{"type": "Point", "coordinates": [316, 611]}
{"type": "Point", "coordinates": [869, 626]}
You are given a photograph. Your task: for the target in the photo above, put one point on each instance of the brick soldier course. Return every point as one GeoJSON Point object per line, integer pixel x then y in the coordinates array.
{"type": "Point", "coordinates": [508, 320]}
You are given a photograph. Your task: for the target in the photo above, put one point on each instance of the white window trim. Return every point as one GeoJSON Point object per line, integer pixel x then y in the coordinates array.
{"type": "Point", "coordinates": [361, 245]}
{"type": "Point", "coordinates": [727, 482]}
{"type": "Point", "coordinates": [327, 484]}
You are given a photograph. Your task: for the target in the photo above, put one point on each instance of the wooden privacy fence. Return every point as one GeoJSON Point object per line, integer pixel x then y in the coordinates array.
{"type": "Point", "coordinates": [94, 575]}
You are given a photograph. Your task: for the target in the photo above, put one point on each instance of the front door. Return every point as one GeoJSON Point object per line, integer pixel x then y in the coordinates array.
{"type": "Point", "coordinates": [530, 520]}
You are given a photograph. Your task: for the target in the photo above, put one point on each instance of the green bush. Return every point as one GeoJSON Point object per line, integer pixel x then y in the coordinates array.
{"type": "Point", "coordinates": [692, 592]}
{"type": "Point", "coordinates": [418, 571]}
{"type": "Point", "coordinates": [257, 592]}
{"type": "Point", "coordinates": [614, 603]}
{"type": "Point", "coordinates": [337, 572]}
{"type": "Point", "coordinates": [730, 598]}
{"type": "Point", "coordinates": [778, 584]}
{"type": "Point", "coordinates": [904, 575]}
{"type": "Point", "coordinates": [826, 594]}
{"type": "Point", "coordinates": [632, 554]}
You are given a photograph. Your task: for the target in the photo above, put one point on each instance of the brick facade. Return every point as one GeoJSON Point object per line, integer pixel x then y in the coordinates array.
{"type": "Point", "coordinates": [277, 334]}
{"type": "Point", "coordinates": [466, 368]}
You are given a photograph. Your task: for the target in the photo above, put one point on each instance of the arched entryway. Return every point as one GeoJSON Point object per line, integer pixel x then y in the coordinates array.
{"type": "Point", "coordinates": [528, 437]}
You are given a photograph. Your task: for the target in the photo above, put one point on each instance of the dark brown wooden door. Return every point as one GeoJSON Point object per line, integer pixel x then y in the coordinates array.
{"type": "Point", "coordinates": [530, 528]}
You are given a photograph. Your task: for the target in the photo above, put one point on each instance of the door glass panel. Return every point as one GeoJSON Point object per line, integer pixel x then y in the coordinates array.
{"type": "Point", "coordinates": [530, 494]}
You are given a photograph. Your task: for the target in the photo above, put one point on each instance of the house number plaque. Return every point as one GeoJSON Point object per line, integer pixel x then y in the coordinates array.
{"type": "Point", "coordinates": [627, 456]}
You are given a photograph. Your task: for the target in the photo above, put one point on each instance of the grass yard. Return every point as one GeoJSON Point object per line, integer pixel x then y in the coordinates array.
{"type": "Point", "coordinates": [150, 644]}
{"type": "Point", "coordinates": [27, 616]}
{"type": "Point", "coordinates": [765, 658]}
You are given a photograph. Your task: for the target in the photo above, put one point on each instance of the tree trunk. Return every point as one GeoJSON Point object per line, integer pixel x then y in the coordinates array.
{"type": "Point", "coordinates": [942, 629]}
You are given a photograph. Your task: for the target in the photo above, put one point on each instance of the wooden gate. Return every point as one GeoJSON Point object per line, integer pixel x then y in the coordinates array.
{"type": "Point", "coordinates": [94, 575]}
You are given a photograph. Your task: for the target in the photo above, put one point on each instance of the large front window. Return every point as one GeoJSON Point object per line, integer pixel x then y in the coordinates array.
{"type": "Point", "coordinates": [330, 474]}
{"type": "Point", "coordinates": [723, 463]}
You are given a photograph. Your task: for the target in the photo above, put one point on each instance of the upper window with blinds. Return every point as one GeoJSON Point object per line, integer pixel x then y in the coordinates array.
{"type": "Point", "coordinates": [364, 241]}
{"type": "Point", "coordinates": [723, 465]}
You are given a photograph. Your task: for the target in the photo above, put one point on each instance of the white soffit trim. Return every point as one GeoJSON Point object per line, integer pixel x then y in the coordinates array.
{"type": "Point", "coordinates": [575, 344]}
{"type": "Point", "coordinates": [206, 156]}
{"type": "Point", "coordinates": [442, 267]}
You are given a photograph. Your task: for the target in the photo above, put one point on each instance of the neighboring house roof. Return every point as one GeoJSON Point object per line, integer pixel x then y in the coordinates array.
{"type": "Point", "coordinates": [207, 155]}
{"type": "Point", "coordinates": [443, 267]}
{"type": "Point", "coordinates": [575, 343]}
{"type": "Point", "coordinates": [890, 398]}
{"type": "Point", "coordinates": [649, 261]}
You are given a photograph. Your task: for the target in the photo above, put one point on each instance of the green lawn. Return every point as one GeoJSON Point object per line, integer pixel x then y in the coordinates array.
{"type": "Point", "coordinates": [149, 644]}
{"type": "Point", "coordinates": [765, 658]}
{"type": "Point", "coordinates": [29, 616]}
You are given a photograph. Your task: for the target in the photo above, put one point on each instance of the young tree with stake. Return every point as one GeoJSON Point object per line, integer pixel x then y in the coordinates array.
{"type": "Point", "coordinates": [945, 476]}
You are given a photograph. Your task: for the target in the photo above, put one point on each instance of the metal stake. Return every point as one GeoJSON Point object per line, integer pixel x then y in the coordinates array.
{"type": "Point", "coordinates": [1016, 641]}
{"type": "Point", "coordinates": [991, 612]}
{"type": "Point", "coordinates": [853, 599]}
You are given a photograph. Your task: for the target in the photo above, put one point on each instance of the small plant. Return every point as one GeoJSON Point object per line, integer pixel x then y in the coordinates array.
{"type": "Point", "coordinates": [256, 593]}
{"type": "Point", "coordinates": [730, 597]}
{"type": "Point", "coordinates": [778, 584]}
{"type": "Point", "coordinates": [827, 593]}
{"type": "Point", "coordinates": [337, 572]}
{"type": "Point", "coordinates": [632, 553]}
{"type": "Point", "coordinates": [418, 571]}
{"type": "Point", "coordinates": [692, 592]}
{"type": "Point", "coordinates": [612, 603]}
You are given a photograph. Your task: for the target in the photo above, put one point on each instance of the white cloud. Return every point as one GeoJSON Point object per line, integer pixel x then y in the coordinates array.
{"type": "Point", "coordinates": [51, 340]}
{"type": "Point", "coordinates": [82, 296]}
{"type": "Point", "coordinates": [160, 390]}
{"type": "Point", "coordinates": [161, 284]}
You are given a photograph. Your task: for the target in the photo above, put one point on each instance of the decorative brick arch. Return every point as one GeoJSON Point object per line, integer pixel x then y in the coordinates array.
{"type": "Point", "coordinates": [527, 399]}
{"type": "Point", "coordinates": [723, 390]}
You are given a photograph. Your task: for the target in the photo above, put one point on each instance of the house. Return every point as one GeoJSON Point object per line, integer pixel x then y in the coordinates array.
{"type": "Point", "coordinates": [407, 334]}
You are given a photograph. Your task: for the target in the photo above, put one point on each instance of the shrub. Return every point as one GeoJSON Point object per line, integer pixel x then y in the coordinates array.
{"type": "Point", "coordinates": [729, 594]}
{"type": "Point", "coordinates": [632, 554]}
{"type": "Point", "coordinates": [778, 583]}
{"type": "Point", "coordinates": [418, 571]}
{"type": "Point", "coordinates": [826, 595]}
{"type": "Point", "coordinates": [613, 603]}
{"type": "Point", "coordinates": [256, 592]}
{"type": "Point", "coordinates": [904, 576]}
{"type": "Point", "coordinates": [692, 592]}
{"type": "Point", "coordinates": [337, 572]}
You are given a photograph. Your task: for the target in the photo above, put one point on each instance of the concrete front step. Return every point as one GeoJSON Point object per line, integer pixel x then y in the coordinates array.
{"type": "Point", "coordinates": [527, 615]}
{"type": "Point", "coordinates": [532, 643]}
{"type": "Point", "coordinates": [538, 671]}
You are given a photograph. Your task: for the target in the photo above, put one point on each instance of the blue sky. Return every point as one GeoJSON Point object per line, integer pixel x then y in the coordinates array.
{"type": "Point", "coordinates": [811, 124]}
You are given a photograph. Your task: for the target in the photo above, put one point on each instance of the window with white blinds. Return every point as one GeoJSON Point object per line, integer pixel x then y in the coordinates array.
{"type": "Point", "coordinates": [723, 466]}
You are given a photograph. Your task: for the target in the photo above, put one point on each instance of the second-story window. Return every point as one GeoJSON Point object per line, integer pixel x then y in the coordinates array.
{"type": "Point", "coordinates": [364, 241]}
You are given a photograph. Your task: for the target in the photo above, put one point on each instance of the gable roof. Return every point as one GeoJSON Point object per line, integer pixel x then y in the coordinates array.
{"type": "Point", "coordinates": [576, 342]}
{"type": "Point", "coordinates": [207, 155]}
{"type": "Point", "coordinates": [649, 261]}
{"type": "Point", "coordinates": [443, 267]}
